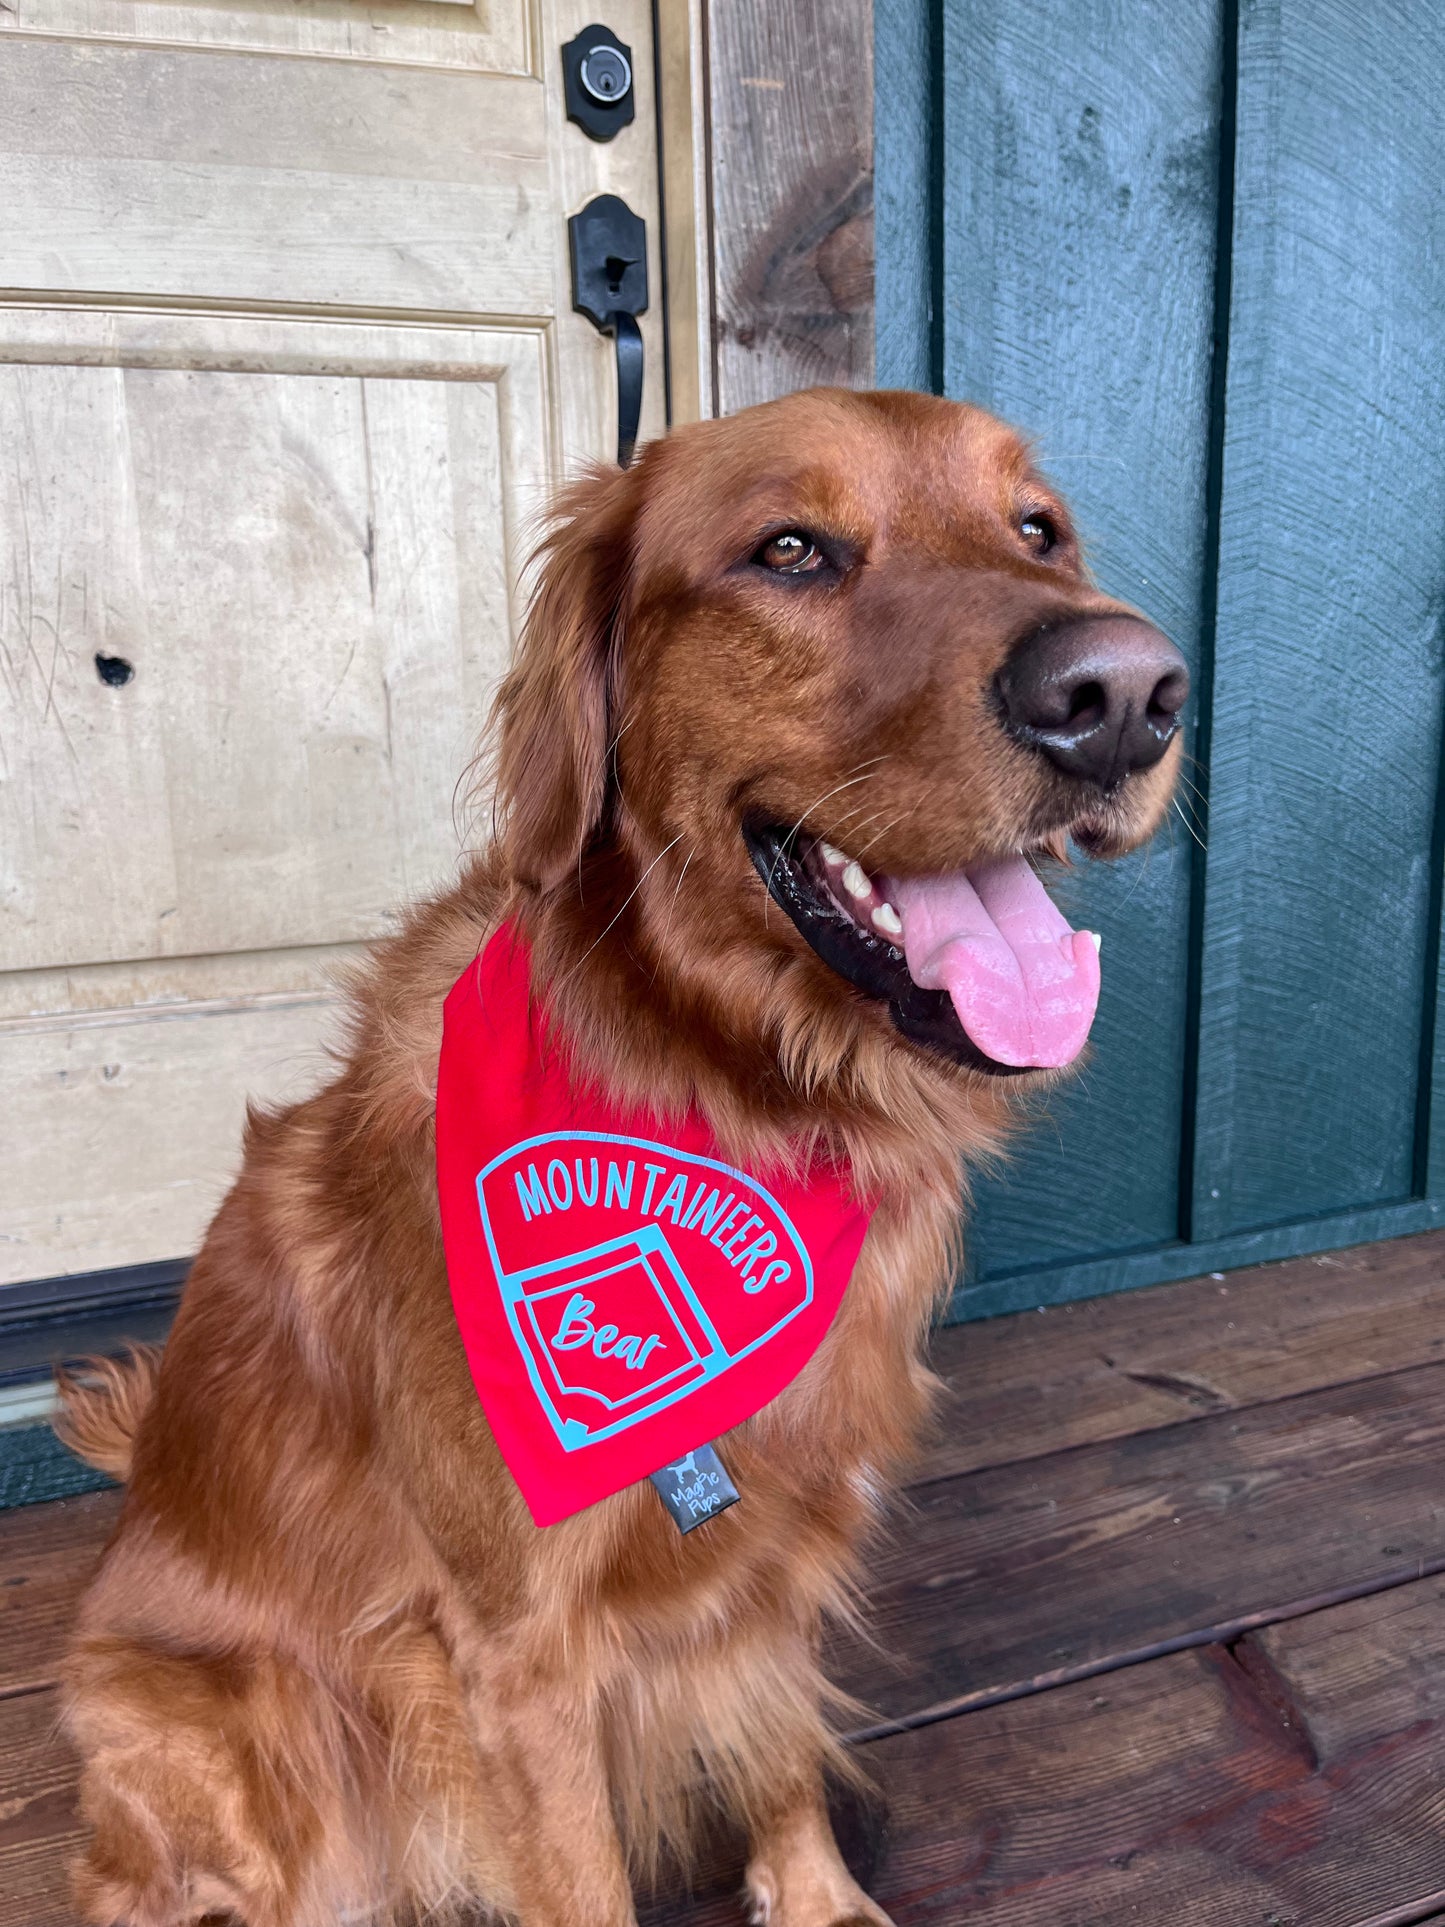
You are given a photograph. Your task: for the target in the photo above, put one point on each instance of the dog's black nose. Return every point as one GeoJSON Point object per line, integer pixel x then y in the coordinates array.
{"type": "Point", "coordinates": [1099, 695]}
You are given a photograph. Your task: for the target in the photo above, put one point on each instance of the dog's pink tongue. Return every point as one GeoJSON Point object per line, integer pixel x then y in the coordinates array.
{"type": "Point", "coordinates": [1025, 985]}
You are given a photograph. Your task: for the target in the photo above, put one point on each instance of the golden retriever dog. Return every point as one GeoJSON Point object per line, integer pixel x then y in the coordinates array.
{"type": "Point", "coordinates": [797, 692]}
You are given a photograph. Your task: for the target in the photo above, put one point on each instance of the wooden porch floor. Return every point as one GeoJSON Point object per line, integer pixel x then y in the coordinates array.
{"type": "Point", "coordinates": [1160, 1638]}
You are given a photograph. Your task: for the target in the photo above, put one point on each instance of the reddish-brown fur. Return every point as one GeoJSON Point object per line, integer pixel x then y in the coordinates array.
{"type": "Point", "coordinates": [329, 1668]}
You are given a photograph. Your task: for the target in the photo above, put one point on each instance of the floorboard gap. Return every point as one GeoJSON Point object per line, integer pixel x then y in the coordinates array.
{"type": "Point", "coordinates": [30, 1686]}
{"type": "Point", "coordinates": [1194, 1417]}
{"type": "Point", "coordinates": [1412, 1915]}
{"type": "Point", "coordinates": [1224, 1633]}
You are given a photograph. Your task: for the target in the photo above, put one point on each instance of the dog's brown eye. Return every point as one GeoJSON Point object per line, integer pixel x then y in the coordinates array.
{"type": "Point", "coordinates": [791, 553]}
{"type": "Point", "coordinates": [1039, 533]}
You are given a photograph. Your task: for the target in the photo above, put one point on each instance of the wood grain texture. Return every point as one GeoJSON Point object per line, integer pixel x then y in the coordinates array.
{"type": "Point", "coordinates": [196, 523]}
{"type": "Point", "coordinates": [1046, 1810]}
{"type": "Point", "coordinates": [1040, 1382]}
{"type": "Point", "coordinates": [494, 36]}
{"type": "Point", "coordinates": [905, 179]}
{"type": "Point", "coordinates": [47, 1555]}
{"type": "Point", "coordinates": [1201, 1788]}
{"type": "Point", "coordinates": [1175, 1793]}
{"type": "Point", "coordinates": [1327, 682]}
{"type": "Point", "coordinates": [682, 128]}
{"type": "Point", "coordinates": [791, 104]}
{"type": "Point", "coordinates": [1178, 1792]}
{"type": "Point", "coordinates": [1000, 1577]}
{"type": "Point", "coordinates": [1361, 1671]}
{"type": "Point", "coordinates": [39, 1830]}
{"type": "Point", "coordinates": [1080, 157]}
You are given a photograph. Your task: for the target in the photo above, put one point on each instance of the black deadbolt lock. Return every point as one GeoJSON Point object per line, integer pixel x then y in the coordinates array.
{"type": "Point", "coordinates": [597, 70]}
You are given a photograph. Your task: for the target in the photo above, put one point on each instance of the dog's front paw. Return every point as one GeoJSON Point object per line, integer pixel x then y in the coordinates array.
{"type": "Point", "coordinates": [833, 1902]}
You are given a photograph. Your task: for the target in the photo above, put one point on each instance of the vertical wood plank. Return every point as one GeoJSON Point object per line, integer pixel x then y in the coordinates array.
{"type": "Point", "coordinates": [40, 1831]}
{"type": "Point", "coordinates": [905, 147]}
{"type": "Point", "coordinates": [1326, 729]}
{"type": "Point", "coordinates": [791, 100]}
{"type": "Point", "coordinates": [680, 40]}
{"type": "Point", "coordinates": [1080, 156]}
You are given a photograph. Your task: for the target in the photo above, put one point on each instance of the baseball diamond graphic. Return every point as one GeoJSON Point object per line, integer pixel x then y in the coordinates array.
{"type": "Point", "coordinates": [616, 1328]}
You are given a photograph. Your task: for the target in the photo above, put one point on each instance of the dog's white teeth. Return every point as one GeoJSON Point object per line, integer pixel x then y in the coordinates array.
{"type": "Point", "coordinates": [855, 882]}
{"type": "Point", "coordinates": [1095, 939]}
{"type": "Point", "coordinates": [835, 857]}
{"type": "Point", "coordinates": [887, 919]}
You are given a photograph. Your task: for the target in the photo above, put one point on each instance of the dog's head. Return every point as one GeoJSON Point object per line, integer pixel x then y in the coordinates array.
{"type": "Point", "coordinates": [807, 694]}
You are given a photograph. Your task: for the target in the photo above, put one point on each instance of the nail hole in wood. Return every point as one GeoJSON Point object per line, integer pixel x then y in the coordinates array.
{"type": "Point", "coordinates": [114, 671]}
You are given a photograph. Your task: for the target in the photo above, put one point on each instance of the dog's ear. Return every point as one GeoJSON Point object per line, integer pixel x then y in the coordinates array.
{"type": "Point", "coordinates": [555, 710]}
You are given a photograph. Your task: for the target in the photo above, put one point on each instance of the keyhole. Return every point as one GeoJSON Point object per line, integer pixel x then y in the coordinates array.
{"type": "Point", "coordinates": [606, 75]}
{"type": "Point", "coordinates": [615, 268]}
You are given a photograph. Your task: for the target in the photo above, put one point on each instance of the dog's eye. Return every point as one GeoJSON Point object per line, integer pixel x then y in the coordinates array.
{"type": "Point", "coordinates": [1040, 533]}
{"type": "Point", "coordinates": [794, 552]}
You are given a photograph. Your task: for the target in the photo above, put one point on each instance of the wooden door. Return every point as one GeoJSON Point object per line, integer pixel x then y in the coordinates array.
{"type": "Point", "coordinates": [287, 367]}
{"type": "Point", "coordinates": [1201, 252]}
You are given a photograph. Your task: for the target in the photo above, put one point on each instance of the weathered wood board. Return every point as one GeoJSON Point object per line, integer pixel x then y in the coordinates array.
{"type": "Point", "coordinates": [791, 141]}
{"type": "Point", "coordinates": [39, 1828]}
{"type": "Point", "coordinates": [1199, 252]}
{"type": "Point", "coordinates": [1298, 1786]}
{"type": "Point", "coordinates": [1038, 1382]}
{"type": "Point", "coordinates": [1079, 200]}
{"type": "Point", "coordinates": [1317, 945]}
{"type": "Point", "coordinates": [1002, 1577]}
{"type": "Point", "coordinates": [47, 1556]}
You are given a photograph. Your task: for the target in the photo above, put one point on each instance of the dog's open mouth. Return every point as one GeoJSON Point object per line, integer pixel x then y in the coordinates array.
{"type": "Point", "coordinates": [978, 964]}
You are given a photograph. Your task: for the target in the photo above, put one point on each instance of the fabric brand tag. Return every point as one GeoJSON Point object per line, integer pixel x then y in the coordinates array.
{"type": "Point", "coordinates": [621, 1290]}
{"type": "Point", "coordinates": [695, 1488]}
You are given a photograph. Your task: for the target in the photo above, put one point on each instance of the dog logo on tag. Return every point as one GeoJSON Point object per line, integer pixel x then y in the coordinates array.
{"type": "Point", "coordinates": [633, 1273]}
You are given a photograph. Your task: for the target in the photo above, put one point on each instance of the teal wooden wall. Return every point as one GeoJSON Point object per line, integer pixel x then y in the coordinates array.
{"type": "Point", "coordinates": [1199, 252]}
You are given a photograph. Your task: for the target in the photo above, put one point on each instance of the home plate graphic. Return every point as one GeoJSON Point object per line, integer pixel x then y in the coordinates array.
{"type": "Point", "coordinates": [702, 1266]}
{"type": "Point", "coordinates": [624, 1295]}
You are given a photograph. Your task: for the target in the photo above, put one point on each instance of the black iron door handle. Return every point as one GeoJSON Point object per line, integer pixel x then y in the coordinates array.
{"type": "Point", "coordinates": [609, 285]}
{"type": "Point", "coordinates": [628, 336]}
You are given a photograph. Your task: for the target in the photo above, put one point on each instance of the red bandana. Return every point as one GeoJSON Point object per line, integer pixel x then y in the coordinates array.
{"type": "Point", "coordinates": [624, 1294]}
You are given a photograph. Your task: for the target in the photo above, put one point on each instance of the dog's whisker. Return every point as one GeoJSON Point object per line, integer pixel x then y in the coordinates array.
{"type": "Point", "coordinates": [606, 931]}
{"type": "Point", "coordinates": [892, 824]}
{"type": "Point", "coordinates": [1188, 825]}
{"type": "Point", "coordinates": [1186, 808]}
{"type": "Point", "coordinates": [866, 770]}
{"type": "Point", "coordinates": [671, 912]}
{"type": "Point", "coordinates": [621, 731]}
{"type": "Point", "coordinates": [1192, 789]}
{"type": "Point", "coordinates": [860, 773]}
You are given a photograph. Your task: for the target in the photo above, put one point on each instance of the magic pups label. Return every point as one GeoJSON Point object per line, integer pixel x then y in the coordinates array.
{"type": "Point", "coordinates": [624, 1294]}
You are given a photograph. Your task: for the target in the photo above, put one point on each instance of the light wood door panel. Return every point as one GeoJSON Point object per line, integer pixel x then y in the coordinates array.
{"type": "Point", "coordinates": [307, 573]}
{"type": "Point", "coordinates": [477, 36]}
{"type": "Point", "coordinates": [287, 370]}
{"type": "Point", "coordinates": [122, 1131]}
